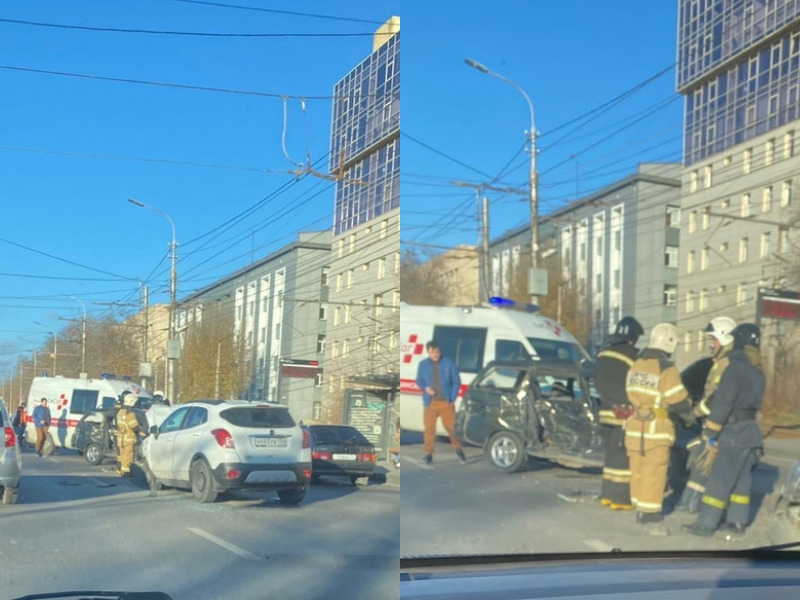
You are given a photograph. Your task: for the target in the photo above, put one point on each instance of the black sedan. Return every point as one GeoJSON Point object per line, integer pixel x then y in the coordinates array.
{"type": "Point", "coordinates": [340, 450]}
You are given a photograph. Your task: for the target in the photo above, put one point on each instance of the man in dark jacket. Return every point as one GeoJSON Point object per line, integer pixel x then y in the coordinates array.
{"type": "Point", "coordinates": [731, 431]}
{"type": "Point", "coordinates": [440, 383]}
{"type": "Point", "coordinates": [611, 370]}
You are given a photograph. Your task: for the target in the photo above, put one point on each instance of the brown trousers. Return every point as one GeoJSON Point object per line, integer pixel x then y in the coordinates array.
{"type": "Point", "coordinates": [447, 412]}
{"type": "Point", "coordinates": [649, 478]}
{"type": "Point", "coordinates": [41, 435]}
{"type": "Point", "coordinates": [125, 456]}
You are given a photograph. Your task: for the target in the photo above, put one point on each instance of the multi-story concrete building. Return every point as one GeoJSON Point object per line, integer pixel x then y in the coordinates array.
{"type": "Point", "coordinates": [739, 70]}
{"type": "Point", "coordinates": [617, 250]}
{"type": "Point", "coordinates": [363, 312]}
{"type": "Point", "coordinates": [276, 309]}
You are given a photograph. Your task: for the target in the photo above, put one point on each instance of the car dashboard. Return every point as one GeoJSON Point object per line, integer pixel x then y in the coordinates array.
{"type": "Point", "coordinates": [654, 576]}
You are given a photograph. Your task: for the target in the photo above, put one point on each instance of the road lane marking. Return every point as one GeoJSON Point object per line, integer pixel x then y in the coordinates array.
{"type": "Point", "coordinates": [416, 462]}
{"type": "Point", "coordinates": [598, 545]}
{"type": "Point", "coordinates": [220, 542]}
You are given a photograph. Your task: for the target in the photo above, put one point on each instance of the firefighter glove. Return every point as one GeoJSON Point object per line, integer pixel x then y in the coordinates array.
{"type": "Point", "coordinates": [705, 460]}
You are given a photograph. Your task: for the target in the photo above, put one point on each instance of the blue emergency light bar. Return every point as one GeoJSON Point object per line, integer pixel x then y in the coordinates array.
{"type": "Point", "coordinates": [500, 302]}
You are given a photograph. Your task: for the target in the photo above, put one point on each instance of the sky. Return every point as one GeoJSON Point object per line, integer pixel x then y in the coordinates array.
{"type": "Point", "coordinates": [572, 58]}
{"type": "Point", "coordinates": [74, 149]}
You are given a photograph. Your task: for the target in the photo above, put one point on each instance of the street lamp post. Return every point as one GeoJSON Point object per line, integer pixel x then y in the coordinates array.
{"type": "Point", "coordinates": [533, 176]}
{"type": "Point", "coordinates": [55, 345]}
{"type": "Point", "coordinates": [83, 337]}
{"type": "Point", "coordinates": [173, 285]}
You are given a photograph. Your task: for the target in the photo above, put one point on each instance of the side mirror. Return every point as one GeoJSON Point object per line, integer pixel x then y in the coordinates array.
{"type": "Point", "coordinates": [154, 431]}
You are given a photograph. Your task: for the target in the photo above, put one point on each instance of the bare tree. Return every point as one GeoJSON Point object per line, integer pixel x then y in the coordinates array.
{"type": "Point", "coordinates": [419, 281]}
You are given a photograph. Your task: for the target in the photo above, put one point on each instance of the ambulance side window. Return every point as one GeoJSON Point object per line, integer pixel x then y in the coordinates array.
{"type": "Point", "coordinates": [464, 345]}
{"type": "Point", "coordinates": [108, 402]}
{"type": "Point", "coordinates": [83, 401]}
{"type": "Point", "coordinates": [510, 350]}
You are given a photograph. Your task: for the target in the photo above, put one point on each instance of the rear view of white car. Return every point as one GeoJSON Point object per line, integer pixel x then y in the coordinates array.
{"type": "Point", "coordinates": [212, 446]}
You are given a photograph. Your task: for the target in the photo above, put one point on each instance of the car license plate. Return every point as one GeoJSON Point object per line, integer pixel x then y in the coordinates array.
{"type": "Point", "coordinates": [344, 457]}
{"type": "Point", "coordinates": [266, 442]}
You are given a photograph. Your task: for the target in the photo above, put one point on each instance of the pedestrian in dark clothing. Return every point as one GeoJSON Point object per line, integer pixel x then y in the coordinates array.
{"type": "Point", "coordinates": [732, 433]}
{"type": "Point", "coordinates": [611, 371]}
{"type": "Point", "coordinates": [438, 378]}
{"type": "Point", "coordinates": [41, 421]}
{"type": "Point", "coordinates": [18, 423]}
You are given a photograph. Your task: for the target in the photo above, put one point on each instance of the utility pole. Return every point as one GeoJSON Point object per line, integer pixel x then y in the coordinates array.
{"type": "Point", "coordinates": [487, 266]}
{"type": "Point", "coordinates": [146, 311]}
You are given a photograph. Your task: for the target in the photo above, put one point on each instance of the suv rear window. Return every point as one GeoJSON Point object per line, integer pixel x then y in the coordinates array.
{"type": "Point", "coordinates": [258, 417]}
{"type": "Point", "coordinates": [325, 435]}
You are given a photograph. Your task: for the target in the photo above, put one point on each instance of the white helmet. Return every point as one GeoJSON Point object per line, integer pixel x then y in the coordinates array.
{"type": "Point", "coordinates": [721, 329]}
{"type": "Point", "coordinates": [664, 337]}
{"type": "Point", "coordinates": [129, 399]}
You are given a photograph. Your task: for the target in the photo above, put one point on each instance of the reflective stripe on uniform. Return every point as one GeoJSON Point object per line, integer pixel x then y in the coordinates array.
{"type": "Point", "coordinates": [716, 503]}
{"type": "Point", "coordinates": [713, 426]}
{"type": "Point", "coordinates": [617, 355]}
{"type": "Point", "coordinates": [703, 408]}
{"type": "Point", "coordinates": [650, 436]}
{"type": "Point", "coordinates": [698, 487]}
{"type": "Point", "coordinates": [649, 506]}
{"type": "Point", "coordinates": [644, 390]}
{"type": "Point", "coordinates": [607, 417]}
{"type": "Point", "coordinates": [739, 499]}
{"type": "Point", "coordinates": [675, 390]}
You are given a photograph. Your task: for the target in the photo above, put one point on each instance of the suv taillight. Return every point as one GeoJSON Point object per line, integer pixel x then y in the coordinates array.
{"type": "Point", "coordinates": [224, 438]}
{"type": "Point", "coordinates": [11, 438]}
{"type": "Point", "coordinates": [306, 439]}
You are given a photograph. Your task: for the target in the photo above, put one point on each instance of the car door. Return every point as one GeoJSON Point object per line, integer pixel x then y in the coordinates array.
{"type": "Point", "coordinates": [492, 403]}
{"type": "Point", "coordinates": [564, 408]}
{"type": "Point", "coordinates": [186, 442]}
{"type": "Point", "coordinates": [160, 447]}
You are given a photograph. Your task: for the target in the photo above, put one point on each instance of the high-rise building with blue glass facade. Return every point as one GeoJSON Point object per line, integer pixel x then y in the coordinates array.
{"type": "Point", "coordinates": [739, 72]}
{"type": "Point", "coordinates": [363, 306]}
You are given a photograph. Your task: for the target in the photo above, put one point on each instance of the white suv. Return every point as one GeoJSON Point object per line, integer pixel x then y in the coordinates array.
{"type": "Point", "coordinates": [211, 446]}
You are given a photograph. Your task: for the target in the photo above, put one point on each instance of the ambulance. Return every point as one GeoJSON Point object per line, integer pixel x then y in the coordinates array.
{"type": "Point", "coordinates": [69, 399]}
{"type": "Point", "coordinates": [472, 337]}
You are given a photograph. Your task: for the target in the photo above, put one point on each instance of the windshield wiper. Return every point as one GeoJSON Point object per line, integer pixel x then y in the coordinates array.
{"type": "Point", "coordinates": [99, 596]}
{"type": "Point", "coordinates": [777, 547]}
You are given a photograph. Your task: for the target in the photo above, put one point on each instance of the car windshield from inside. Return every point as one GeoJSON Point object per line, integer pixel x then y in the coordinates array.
{"type": "Point", "coordinates": [258, 417]}
{"type": "Point", "coordinates": [327, 435]}
{"type": "Point", "coordinates": [558, 350]}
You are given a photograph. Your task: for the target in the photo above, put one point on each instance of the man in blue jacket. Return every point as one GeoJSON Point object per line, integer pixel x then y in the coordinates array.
{"type": "Point", "coordinates": [41, 421]}
{"type": "Point", "coordinates": [437, 377]}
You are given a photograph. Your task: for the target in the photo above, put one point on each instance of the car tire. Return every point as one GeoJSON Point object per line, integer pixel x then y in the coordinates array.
{"type": "Point", "coordinates": [49, 445]}
{"type": "Point", "coordinates": [94, 454]}
{"type": "Point", "coordinates": [506, 452]}
{"type": "Point", "coordinates": [152, 481]}
{"type": "Point", "coordinates": [292, 497]}
{"type": "Point", "coordinates": [202, 482]}
{"type": "Point", "coordinates": [10, 495]}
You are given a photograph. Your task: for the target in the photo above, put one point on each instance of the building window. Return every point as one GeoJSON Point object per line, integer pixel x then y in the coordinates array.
{"type": "Point", "coordinates": [384, 228]}
{"type": "Point", "coordinates": [786, 193]}
{"type": "Point", "coordinates": [687, 341]}
{"type": "Point", "coordinates": [617, 279]}
{"type": "Point", "coordinates": [690, 260]}
{"type": "Point", "coordinates": [703, 301]}
{"type": "Point", "coordinates": [707, 176]}
{"type": "Point", "coordinates": [396, 263]}
{"type": "Point", "coordinates": [599, 282]}
{"type": "Point", "coordinates": [583, 251]}
{"type": "Point", "coordinates": [706, 217]}
{"type": "Point", "coordinates": [395, 301]}
{"type": "Point", "coordinates": [693, 221]}
{"type": "Point", "coordinates": [788, 144]}
{"type": "Point", "coordinates": [341, 247]}
{"type": "Point", "coordinates": [337, 314]}
{"type": "Point", "coordinates": [748, 157]}
{"type": "Point", "coordinates": [339, 280]}
{"type": "Point", "coordinates": [345, 347]}
{"type": "Point", "coordinates": [741, 294]}
{"type": "Point", "coordinates": [263, 334]}
{"type": "Point", "coordinates": [769, 152]}
{"type": "Point", "coordinates": [334, 349]}
{"type": "Point", "coordinates": [689, 307]}
{"type": "Point", "coordinates": [704, 258]}
{"type": "Point", "coordinates": [783, 240]}
{"type": "Point", "coordinates": [323, 312]}
{"type": "Point", "coordinates": [348, 313]}
{"type": "Point", "coordinates": [351, 274]}
{"type": "Point", "coordinates": [393, 340]}
{"type": "Point", "coordinates": [617, 244]}
{"type": "Point", "coordinates": [744, 249]}
{"type": "Point", "coordinates": [671, 257]}
{"type": "Point", "coordinates": [723, 247]}
{"type": "Point", "coordinates": [599, 246]}
{"type": "Point", "coordinates": [381, 268]}
{"type": "Point", "coordinates": [745, 212]}
{"type": "Point", "coordinates": [324, 276]}
{"type": "Point", "coordinates": [693, 181]}
{"type": "Point", "coordinates": [766, 246]}
{"type": "Point", "coordinates": [352, 243]}
{"type": "Point", "coordinates": [766, 199]}
{"type": "Point", "coordinates": [673, 217]}
{"type": "Point", "coordinates": [701, 340]}
{"type": "Point", "coordinates": [378, 305]}
{"type": "Point", "coordinates": [725, 204]}
{"type": "Point", "coordinates": [670, 294]}
{"type": "Point", "coordinates": [321, 343]}
{"type": "Point", "coordinates": [727, 162]}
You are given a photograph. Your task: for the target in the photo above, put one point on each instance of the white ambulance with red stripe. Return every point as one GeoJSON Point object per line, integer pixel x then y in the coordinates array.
{"type": "Point", "coordinates": [69, 399]}
{"type": "Point", "coordinates": [473, 337]}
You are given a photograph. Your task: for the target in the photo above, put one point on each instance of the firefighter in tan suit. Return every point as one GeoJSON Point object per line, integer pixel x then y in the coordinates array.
{"type": "Point", "coordinates": [654, 389]}
{"type": "Point", "coordinates": [127, 433]}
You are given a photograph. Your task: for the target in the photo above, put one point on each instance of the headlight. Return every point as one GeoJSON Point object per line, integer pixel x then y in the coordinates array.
{"type": "Point", "coordinates": [791, 488]}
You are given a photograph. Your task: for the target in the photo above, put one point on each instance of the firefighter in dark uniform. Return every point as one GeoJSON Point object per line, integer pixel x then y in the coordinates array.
{"type": "Point", "coordinates": [654, 389]}
{"type": "Point", "coordinates": [611, 370]}
{"type": "Point", "coordinates": [720, 332]}
{"type": "Point", "coordinates": [732, 433]}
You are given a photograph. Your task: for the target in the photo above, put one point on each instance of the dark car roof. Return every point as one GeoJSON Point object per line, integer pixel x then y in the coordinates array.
{"type": "Point", "coordinates": [565, 367]}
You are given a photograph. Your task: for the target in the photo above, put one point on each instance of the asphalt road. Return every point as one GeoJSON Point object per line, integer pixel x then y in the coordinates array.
{"type": "Point", "coordinates": [449, 508]}
{"type": "Point", "coordinates": [81, 527]}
